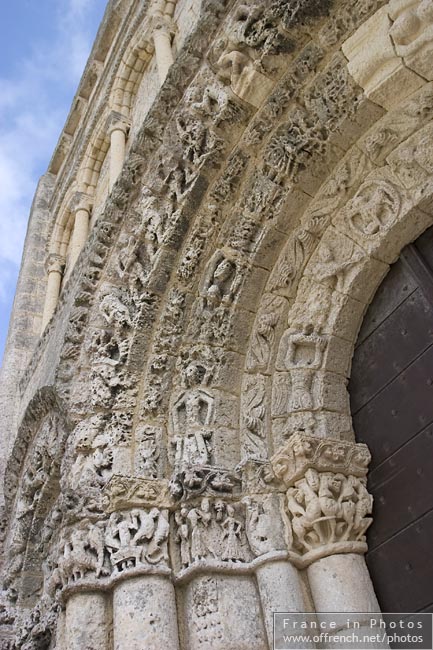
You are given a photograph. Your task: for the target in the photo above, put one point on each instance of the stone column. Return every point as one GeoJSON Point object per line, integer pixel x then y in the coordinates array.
{"type": "Point", "coordinates": [328, 511]}
{"type": "Point", "coordinates": [80, 231]}
{"type": "Point", "coordinates": [144, 614]}
{"type": "Point", "coordinates": [341, 583]}
{"type": "Point", "coordinates": [87, 622]}
{"type": "Point", "coordinates": [162, 32]}
{"type": "Point", "coordinates": [118, 132]}
{"type": "Point", "coordinates": [55, 266]}
{"type": "Point", "coordinates": [222, 612]}
{"type": "Point", "coordinates": [280, 590]}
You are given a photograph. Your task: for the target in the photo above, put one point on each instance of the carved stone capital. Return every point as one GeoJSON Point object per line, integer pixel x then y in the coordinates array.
{"type": "Point", "coordinates": [81, 201]}
{"type": "Point", "coordinates": [117, 122]}
{"type": "Point", "coordinates": [164, 24]}
{"type": "Point", "coordinates": [55, 262]}
{"type": "Point", "coordinates": [327, 505]}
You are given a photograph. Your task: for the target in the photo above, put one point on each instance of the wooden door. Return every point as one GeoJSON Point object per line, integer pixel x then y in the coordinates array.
{"type": "Point", "coordinates": [391, 391]}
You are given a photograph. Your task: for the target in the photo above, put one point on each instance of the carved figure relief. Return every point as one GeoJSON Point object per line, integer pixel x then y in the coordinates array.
{"type": "Point", "coordinates": [412, 161]}
{"type": "Point", "coordinates": [303, 348]}
{"type": "Point", "coordinates": [263, 335]}
{"type": "Point", "coordinates": [335, 260]}
{"type": "Point", "coordinates": [192, 415]}
{"type": "Point", "coordinates": [131, 264]}
{"type": "Point", "coordinates": [199, 141]}
{"type": "Point", "coordinates": [301, 353]}
{"type": "Point", "coordinates": [373, 209]}
{"type": "Point", "coordinates": [82, 555]}
{"type": "Point", "coordinates": [148, 448]}
{"type": "Point", "coordinates": [412, 34]}
{"type": "Point", "coordinates": [262, 525]}
{"type": "Point", "coordinates": [254, 443]}
{"type": "Point", "coordinates": [211, 530]}
{"type": "Point", "coordinates": [326, 508]}
{"type": "Point", "coordinates": [93, 453]}
{"type": "Point", "coordinates": [137, 537]}
{"type": "Point", "coordinates": [223, 279]}
{"type": "Point", "coordinates": [237, 65]}
{"type": "Point", "coordinates": [127, 540]}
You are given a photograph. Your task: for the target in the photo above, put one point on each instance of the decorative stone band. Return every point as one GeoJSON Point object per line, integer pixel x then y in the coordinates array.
{"type": "Point", "coordinates": [219, 567]}
{"type": "Point", "coordinates": [326, 506]}
{"type": "Point", "coordinates": [194, 481]}
{"type": "Point", "coordinates": [123, 492]}
{"type": "Point", "coordinates": [322, 454]}
{"type": "Point", "coordinates": [92, 583]}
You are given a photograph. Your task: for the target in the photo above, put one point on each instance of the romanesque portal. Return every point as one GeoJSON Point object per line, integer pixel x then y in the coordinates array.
{"type": "Point", "coordinates": [230, 188]}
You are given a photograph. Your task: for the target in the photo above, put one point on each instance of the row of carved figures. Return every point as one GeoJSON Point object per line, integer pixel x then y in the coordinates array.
{"type": "Point", "coordinates": [321, 509]}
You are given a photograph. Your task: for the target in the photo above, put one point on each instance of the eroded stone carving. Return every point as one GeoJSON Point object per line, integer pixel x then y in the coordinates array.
{"type": "Point", "coordinates": [327, 508]}
{"type": "Point", "coordinates": [128, 539]}
{"type": "Point", "coordinates": [263, 524]}
{"type": "Point", "coordinates": [373, 210]}
{"type": "Point", "coordinates": [212, 311]}
{"type": "Point", "coordinates": [327, 504]}
{"type": "Point", "coordinates": [148, 449]}
{"type": "Point", "coordinates": [255, 443]}
{"type": "Point", "coordinates": [192, 415]}
{"type": "Point", "coordinates": [412, 34]}
{"type": "Point", "coordinates": [137, 537]}
{"type": "Point", "coordinates": [207, 619]}
{"type": "Point", "coordinates": [123, 491]}
{"type": "Point", "coordinates": [211, 530]}
{"type": "Point", "coordinates": [264, 332]}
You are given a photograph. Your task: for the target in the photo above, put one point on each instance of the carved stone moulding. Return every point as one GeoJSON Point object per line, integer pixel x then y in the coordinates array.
{"type": "Point", "coordinates": [197, 480]}
{"type": "Point", "coordinates": [337, 548]}
{"type": "Point", "coordinates": [303, 452]}
{"type": "Point", "coordinates": [124, 492]}
{"type": "Point", "coordinates": [108, 583]}
{"type": "Point", "coordinates": [217, 566]}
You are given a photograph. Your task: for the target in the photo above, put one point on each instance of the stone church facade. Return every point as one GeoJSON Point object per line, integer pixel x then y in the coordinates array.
{"type": "Point", "coordinates": [231, 186]}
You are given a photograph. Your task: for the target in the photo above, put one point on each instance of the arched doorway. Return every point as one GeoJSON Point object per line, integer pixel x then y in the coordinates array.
{"type": "Point", "coordinates": [391, 391]}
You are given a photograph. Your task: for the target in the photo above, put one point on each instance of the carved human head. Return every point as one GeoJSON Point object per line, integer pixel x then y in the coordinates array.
{"type": "Point", "coordinates": [223, 270]}
{"type": "Point", "coordinates": [312, 478]}
{"type": "Point", "coordinates": [194, 373]}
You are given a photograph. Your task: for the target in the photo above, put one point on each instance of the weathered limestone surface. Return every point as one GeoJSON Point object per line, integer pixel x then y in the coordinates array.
{"type": "Point", "coordinates": [230, 188]}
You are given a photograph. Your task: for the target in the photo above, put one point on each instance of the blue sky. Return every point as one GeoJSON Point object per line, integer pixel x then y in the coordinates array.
{"type": "Point", "coordinates": [44, 47]}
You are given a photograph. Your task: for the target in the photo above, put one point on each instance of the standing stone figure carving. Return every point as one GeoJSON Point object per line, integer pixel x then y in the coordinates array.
{"type": "Point", "coordinates": [232, 537]}
{"type": "Point", "coordinates": [182, 536]}
{"type": "Point", "coordinates": [200, 519]}
{"type": "Point", "coordinates": [192, 415]}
